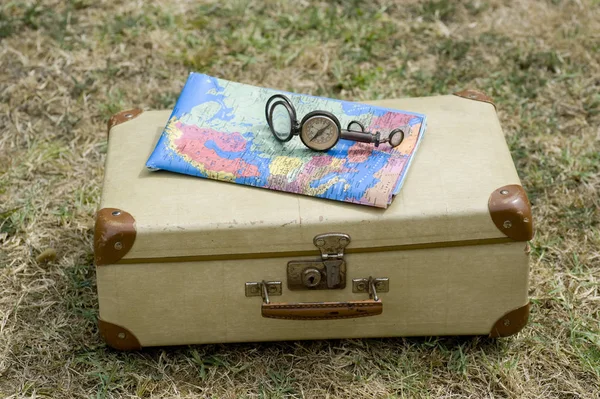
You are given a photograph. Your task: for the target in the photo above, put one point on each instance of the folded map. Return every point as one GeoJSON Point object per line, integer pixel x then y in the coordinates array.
{"type": "Point", "coordinates": [218, 131]}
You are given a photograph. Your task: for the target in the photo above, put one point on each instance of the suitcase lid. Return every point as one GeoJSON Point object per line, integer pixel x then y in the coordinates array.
{"type": "Point", "coordinates": [462, 189]}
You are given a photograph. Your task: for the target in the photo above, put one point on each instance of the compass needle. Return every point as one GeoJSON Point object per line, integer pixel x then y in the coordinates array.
{"type": "Point", "coordinates": [319, 133]}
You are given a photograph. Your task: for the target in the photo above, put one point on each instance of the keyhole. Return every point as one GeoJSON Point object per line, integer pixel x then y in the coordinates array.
{"type": "Point", "coordinates": [311, 277]}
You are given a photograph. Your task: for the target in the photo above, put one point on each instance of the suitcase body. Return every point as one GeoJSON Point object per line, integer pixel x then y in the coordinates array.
{"type": "Point", "coordinates": [184, 260]}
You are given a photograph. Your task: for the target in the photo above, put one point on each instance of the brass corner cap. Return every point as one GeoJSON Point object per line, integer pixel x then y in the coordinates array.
{"type": "Point", "coordinates": [511, 323]}
{"type": "Point", "coordinates": [114, 235]}
{"type": "Point", "coordinates": [475, 95]}
{"type": "Point", "coordinates": [118, 337]}
{"type": "Point", "coordinates": [122, 116]}
{"type": "Point", "coordinates": [511, 212]}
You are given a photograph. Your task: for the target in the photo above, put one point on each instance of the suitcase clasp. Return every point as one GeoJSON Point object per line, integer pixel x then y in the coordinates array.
{"type": "Point", "coordinates": [327, 273]}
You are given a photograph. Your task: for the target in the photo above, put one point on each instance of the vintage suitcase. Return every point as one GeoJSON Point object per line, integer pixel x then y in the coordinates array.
{"type": "Point", "coordinates": [185, 260]}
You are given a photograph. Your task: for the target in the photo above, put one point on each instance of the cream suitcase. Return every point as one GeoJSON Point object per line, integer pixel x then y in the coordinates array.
{"type": "Point", "coordinates": [184, 260]}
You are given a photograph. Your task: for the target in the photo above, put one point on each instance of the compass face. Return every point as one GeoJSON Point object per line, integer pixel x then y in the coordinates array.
{"type": "Point", "coordinates": [320, 133]}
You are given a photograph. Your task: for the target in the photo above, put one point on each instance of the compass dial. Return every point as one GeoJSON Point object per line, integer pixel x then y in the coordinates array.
{"type": "Point", "coordinates": [320, 132]}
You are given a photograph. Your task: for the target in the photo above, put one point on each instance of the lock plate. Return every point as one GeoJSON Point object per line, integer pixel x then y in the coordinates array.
{"type": "Point", "coordinates": [327, 273]}
{"type": "Point", "coordinates": [301, 275]}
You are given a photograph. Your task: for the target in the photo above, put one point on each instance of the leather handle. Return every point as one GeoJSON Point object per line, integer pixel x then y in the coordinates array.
{"type": "Point", "coordinates": [322, 310]}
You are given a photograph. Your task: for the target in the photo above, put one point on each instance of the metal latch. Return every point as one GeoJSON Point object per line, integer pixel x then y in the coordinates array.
{"type": "Point", "coordinates": [327, 273]}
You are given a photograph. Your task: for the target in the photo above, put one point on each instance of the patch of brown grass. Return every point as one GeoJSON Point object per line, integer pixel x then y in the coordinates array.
{"type": "Point", "coordinates": [65, 67]}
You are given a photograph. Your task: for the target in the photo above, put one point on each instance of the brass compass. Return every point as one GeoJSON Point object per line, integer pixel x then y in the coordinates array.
{"type": "Point", "coordinates": [319, 130]}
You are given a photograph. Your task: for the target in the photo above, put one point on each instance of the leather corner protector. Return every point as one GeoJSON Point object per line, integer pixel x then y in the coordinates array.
{"type": "Point", "coordinates": [511, 323]}
{"type": "Point", "coordinates": [475, 95]}
{"type": "Point", "coordinates": [114, 235]}
{"type": "Point", "coordinates": [510, 210]}
{"type": "Point", "coordinates": [123, 116]}
{"type": "Point", "coordinates": [118, 337]}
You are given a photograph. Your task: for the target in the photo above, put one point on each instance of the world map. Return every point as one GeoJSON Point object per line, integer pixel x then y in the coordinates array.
{"type": "Point", "coordinates": [218, 131]}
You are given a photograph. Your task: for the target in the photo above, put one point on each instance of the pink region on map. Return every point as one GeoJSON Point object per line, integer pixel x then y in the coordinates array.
{"type": "Point", "coordinates": [318, 162]}
{"type": "Point", "coordinates": [390, 121]}
{"type": "Point", "coordinates": [192, 143]}
{"type": "Point", "coordinates": [359, 152]}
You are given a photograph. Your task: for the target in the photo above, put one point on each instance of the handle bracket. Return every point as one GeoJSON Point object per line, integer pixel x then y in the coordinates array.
{"type": "Point", "coordinates": [263, 289]}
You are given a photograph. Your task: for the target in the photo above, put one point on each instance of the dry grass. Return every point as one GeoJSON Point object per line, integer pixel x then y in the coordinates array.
{"type": "Point", "coordinates": [66, 66]}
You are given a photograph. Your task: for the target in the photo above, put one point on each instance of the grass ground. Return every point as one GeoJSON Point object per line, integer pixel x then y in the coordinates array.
{"type": "Point", "coordinates": [66, 66]}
